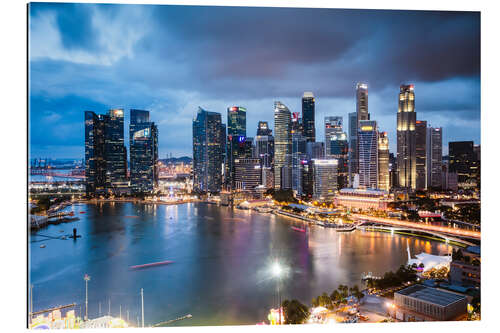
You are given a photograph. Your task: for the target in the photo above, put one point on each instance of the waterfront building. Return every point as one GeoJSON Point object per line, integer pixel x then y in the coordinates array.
{"type": "Point", "coordinates": [248, 173]}
{"type": "Point", "coordinates": [462, 160]}
{"type": "Point", "coordinates": [421, 303]}
{"type": "Point", "coordinates": [434, 157]}
{"type": "Point", "coordinates": [236, 141]}
{"type": "Point", "coordinates": [353, 198]}
{"type": "Point", "coordinates": [264, 149]}
{"type": "Point", "coordinates": [353, 146]}
{"type": "Point", "coordinates": [298, 154]}
{"type": "Point", "coordinates": [383, 162]}
{"type": "Point", "coordinates": [207, 151]}
{"type": "Point", "coordinates": [282, 140]}
{"type": "Point", "coordinates": [421, 154]}
{"type": "Point", "coordinates": [95, 160]}
{"type": "Point", "coordinates": [339, 150]}
{"type": "Point", "coordinates": [333, 128]}
{"type": "Point", "coordinates": [308, 111]}
{"type": "Point", "coordinates": [325, 179]}
{"type": "Point", "coordinates": [368, 154]}
{"type": "Point", "coordinates": [105, 153]}
{"type": "Point", "coordinates": [315, 150]}
{"type": "Point", "coordinates": [406, 138]}
{"type": "Point", "coordinates": [143, 143]}
{"type": "Point", "coordinates": [307, 179]}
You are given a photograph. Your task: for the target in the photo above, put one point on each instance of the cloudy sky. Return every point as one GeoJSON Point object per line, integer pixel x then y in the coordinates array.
{"type": "Point", "coordinates": [172, 59]}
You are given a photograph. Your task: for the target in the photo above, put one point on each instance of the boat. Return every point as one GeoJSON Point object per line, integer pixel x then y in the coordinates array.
{"type": "Point", "coordinates": [159, 263]}
{"type": "Point", "coordinates": [82, 212]}
{"type": "Point", "coordinates": [42, 246]}
{"type": "Point", "coordinates": [298, 229]}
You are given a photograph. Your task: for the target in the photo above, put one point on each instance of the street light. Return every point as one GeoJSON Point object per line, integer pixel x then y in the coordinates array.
{"type": "Point", "coordinates": [86, 277]}
{"type": "Point", "coordinates": [277, 270]}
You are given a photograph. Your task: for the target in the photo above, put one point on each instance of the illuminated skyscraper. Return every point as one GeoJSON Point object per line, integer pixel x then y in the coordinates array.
{"type": "Point", "coordinates": [463, 162]}
{"type": "Point", "coordinates": [264, 144]}
{"type": "Point", "coordinates": [421, 153]}
{"type": "Point", "coordinates": [247, 173]}
{"type": "Point", "coordinates": [383, 161]}
{"type": "Point", "coordinates": [282, 141]}
{"type": "Point", "coordinates": [434, 157]}
{"type": "Point", "coordinates": [95, 159]}
{"type": "Point", "coordinates": [339, 148]}
{"type": "Point", "coordinates": [143, 140]}
{"type": "Point", "coordinates": [353, 146]}
{"type": "Point", "coordinates": [207, 151]}
{"type": "Point", "coordinates": [406, 138]}
{"type": "Point", "coordinates": [325, 179]}
{"type": "Point", "coordinates": [308, 110]}
{"type": "Point", "coordinates": [368, 154]}
{"type": "Point", "coordinates": [298, 154]}
{"type": "Point", "coordinates": [116, 154]}
{"type": "Point", "coordinates": [236, 138]}
{"type": "Point", "coordinates": [263, 129]}
{"type": "Point", "coordinates": [333, 127]}
{"type": "Point", "coordinates": [362, 102]}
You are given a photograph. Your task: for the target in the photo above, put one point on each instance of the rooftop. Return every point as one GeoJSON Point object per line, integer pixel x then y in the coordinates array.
{"type": "Point", "coordinates": [431, 295]}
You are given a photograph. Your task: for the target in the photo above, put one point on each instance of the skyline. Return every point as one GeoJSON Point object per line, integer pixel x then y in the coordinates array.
{"type": "Point", "coordinates": [98, 65]}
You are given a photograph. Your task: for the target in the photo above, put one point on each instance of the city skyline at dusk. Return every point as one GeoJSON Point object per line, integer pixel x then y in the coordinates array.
{"type": "Point", "coordinates": [147, 57]}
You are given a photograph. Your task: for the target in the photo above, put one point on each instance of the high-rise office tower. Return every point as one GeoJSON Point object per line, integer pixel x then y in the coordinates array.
{"type": "Point", "coordinates": [406, 138]}
{"type": "Point", "coordinates": [325, 179]}
{"type": "Point", "coordinates": [421, 154]}
{"type": "Point", "coordinates": [368, 154]}
{"type": "Point", "coordinates": [315, 150]}
{"type": "Point", "coordinates": [116, 154]}
{"type": "Point", "coordinates": [143, 143]}
{"type": "Point", "coordinates": [339, 149]}
{"type": "Point", "coordinates": [264, 144]}
{"type": "Point", "coordinates": [393, 172]}
{"type": "Point", "coordinates": [463, 162]}
{"type": "Point", "coordinates": [353, 146]}
{"type": "Point", "coordinates": [298, 154]}
{"type": "Point", "coordinates": [307, 179]}
{"type": "Point", "coordinates": [236, 138]}
{"type": "Point", "coordinates": [434, 157]}
{"type": "Point", "coordinates": [362, 102]}
{"type": "Point", "coordinates": [333, 127]}
{"type": "Point", "coordinates": [297, 125]}
{"type": "Point", "coordinates": [247, 173]}
{"type": "Point", "coordinates": [282, 140]}
{"type": "Point", "coordinates": [383, 161]}
{"type": "Point", "coordinates": [95, 162]}
{"type": "Point", "coordinates": [308, 110]}
{"type": "Point", "coordinates": [207, 151]}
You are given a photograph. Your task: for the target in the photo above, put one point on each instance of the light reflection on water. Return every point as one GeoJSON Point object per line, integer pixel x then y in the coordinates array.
{"type": "Point", "coordinates": [221, 260]}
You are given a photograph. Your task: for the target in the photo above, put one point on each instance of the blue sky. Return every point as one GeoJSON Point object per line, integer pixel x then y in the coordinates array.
{"type": "Point", "coordinates": [172, 59]}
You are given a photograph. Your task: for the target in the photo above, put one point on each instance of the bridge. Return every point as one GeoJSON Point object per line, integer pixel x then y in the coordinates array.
{"type": "Point", "coordinates": [447, 233]}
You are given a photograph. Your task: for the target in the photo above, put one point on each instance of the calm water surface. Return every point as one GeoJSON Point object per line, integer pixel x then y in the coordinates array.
{"type": "Point", "coordinates": [221, 257]}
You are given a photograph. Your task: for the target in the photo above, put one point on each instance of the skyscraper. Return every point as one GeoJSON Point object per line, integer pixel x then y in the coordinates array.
{"type": "Point", "coordinates": [362, 102]}
{"type": "Point", "coordinates": [264, 144]}
{"type": "Point", "coordinates": [434, 157]}
{"type": "Point", "coordinates": [383, 162]}
{"type": "Point", "coordinates": [116, 154]}
{"type": "Point", "coordinates": [421, 154]}
{"type": "Point", "coordinates": [325, 179]}
{"type": "Point", "coordinates": [247, 173]}
{"type": "Point", "coordinates": [463, 162]}
{"type": "Point", "coordinates": [333, 127]}
{"type": "Point", "coordinates": [353, 146]}
{"type": "Point", "coordinates": [406, 138]}
{"type": "Point", "coordinates": [307, 179]}
{"type": "Point", "coordinates": [207, 151]}
{"type": "Point", "coordinates": [263, 129]}
{"type": "Point", "coordinates": [368, 153]}
{"type": "Point", "coordinates": [95, 162]}
{"type": "Point", "coordinates": [236, 138]}
{"type": "Point", "coordinates": [315, 150]}
{"type": "Point", "coordinates": [282, 140]}
{"type": "Point", "coordinates": [298, 154]}
{"type": "Point", "coordinates": [339, 148]}
{"type": "Point", "coordinates": [143, 143]}
{"type": "Point", "coordinates": [308, 110]}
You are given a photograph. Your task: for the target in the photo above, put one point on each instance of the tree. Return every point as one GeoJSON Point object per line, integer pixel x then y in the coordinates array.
{"type": "Point", "coordinates": [284, 196]}
{"type": "Point", "coordinates": [294, 312]}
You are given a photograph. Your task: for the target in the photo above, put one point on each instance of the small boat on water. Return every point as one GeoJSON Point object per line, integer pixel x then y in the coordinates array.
{"type": "Point", "coordinates": [82, 212]}
{"type": "Point", "coordinates": [153, 264]}
{"type": "Point", "coordinates": [298, 229]}
{"type": "Point", "coordinates": [42, 246]}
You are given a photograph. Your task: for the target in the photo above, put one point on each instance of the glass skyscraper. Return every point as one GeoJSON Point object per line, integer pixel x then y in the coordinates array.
{"type": "Point", "coordinates": [143, 140]}
{"type": "Point", "coordinates": [282, 141]}
{"type": "Point", "coordinates": [308, 110]}
{"type": "Point", "coordinates": [95, 162]}
{"type": "Point", "coordinates": [325, 179]}
{"type": "Point", "coordinates": [333, 127]}
{"type": "Point", "coordinates": [353, 146]}
{"type": "Point", "coordinates": [264, 144]}
{"type": "Point", "coordinates": [298, 154]}
{"type": "Point", "coordinates": [383, 162]}
{"type": "Point", "coordinates": [406, 138]}
{"type": "Point", "coordinates": [207, 151]}
{"type": "Point", "coordinates": [434, 157]}
{"type": "Point", "coordinates": [368, 154]}
{"type": "Point", "coordinates": [236, 141]}
{"type": "Point", "coordinates": [421, 154]}
{"type": "Point", "coordinates": [339, 149]}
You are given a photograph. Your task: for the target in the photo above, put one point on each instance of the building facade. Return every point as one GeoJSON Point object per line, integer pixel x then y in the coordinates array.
{"type": "Point", "coordinates": [368, 154]}
{"type": "Point", "coordinates": [325, 179]}
{"type": "Point", "coordinates": [235, 141]}
{"type": "Point", "coordinates": [406, 138]}
{"type": "Point", "coordinates": [353, 146]}
{"type": "Point", "coordinates": [462, 161]}
{"type": "Point", "coordinates": [207, 151]}
{"type": "Point", "coordinates": [383, 162]}
{"type": "Point", "coordinates": [282, 141]}
{"type": "Point", "coordinates": [339, 150]}
{"type": "Point", "coordinates": [95, 159]}
{"type": "Point", "coordinates": [421, 154]}
{"type": "Point", "coordinates": [333, 128]}
{"type": "Point", "coordinates": [143, 143]}
{"type": "Point", "coordinates": [308, 114]}
{"type": "Point", "coordinates": [298, 154]}
{"type": "Point", "coordinates": [248, 173]}
{"type": "Point", "coordinates": [434, 157]}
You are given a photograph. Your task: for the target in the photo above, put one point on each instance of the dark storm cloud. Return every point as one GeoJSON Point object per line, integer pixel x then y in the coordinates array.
{"type": "Point", "coordinates": [171, 59]}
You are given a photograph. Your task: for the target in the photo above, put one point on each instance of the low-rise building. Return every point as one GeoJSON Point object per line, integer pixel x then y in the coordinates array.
{"type": "Point", "coordinates": [466, 269]}
{"type": "Point", "coordinates": [362, 198]}
{"type": "Point", "coordinates": [421, 303]}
